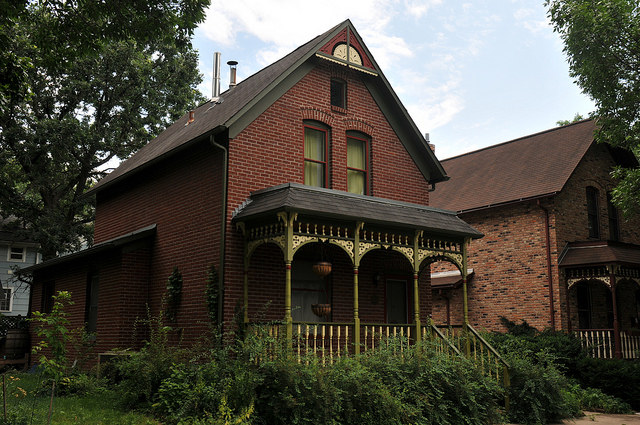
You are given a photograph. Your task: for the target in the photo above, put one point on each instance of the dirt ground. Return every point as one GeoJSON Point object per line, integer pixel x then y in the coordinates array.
{"type": "Point", "coordinates": [604, 419]}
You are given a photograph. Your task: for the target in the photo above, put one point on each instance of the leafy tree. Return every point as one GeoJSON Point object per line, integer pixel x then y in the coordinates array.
{"type": "Point", "coordinates": [85, 82]}
{"type": "Point", "coordinates": [602, 43]}
{"type": "Point", "coordinates": [577, 117]}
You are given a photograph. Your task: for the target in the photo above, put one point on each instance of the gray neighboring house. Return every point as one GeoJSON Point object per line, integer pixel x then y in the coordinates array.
{"type": "Point", "coordinates": [15, 252]}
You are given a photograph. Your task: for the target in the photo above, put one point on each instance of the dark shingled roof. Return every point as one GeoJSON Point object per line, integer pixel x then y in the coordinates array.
{"type": "Point", "coordinates": [212, 118]}
{"type": "Point", "coordinates": [525, 168]}
{"type": "Point", "coordinates": [99, 248]}
{"type": "Point", "coordinates": [600, 253]}
{"type": "Point", "coordinates": [334, 204]}
{"type": "Point", "coordinates": [209, 116]}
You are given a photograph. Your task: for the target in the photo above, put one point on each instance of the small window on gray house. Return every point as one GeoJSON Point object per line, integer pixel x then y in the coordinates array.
{"type": "Point", "coordinates": [592, 212]}
{"type": "Point", "coordinates": [5, 299]}
{"type": "Point", "coordinates": [17, 253]}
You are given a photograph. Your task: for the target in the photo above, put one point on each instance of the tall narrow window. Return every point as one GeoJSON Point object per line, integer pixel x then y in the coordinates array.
{"type": "Point", "coordinates": [315, 156]}
{"type": "Point", "coordinates": [5, 299]}
{"type": "Point", "coordinates": [614, 224]}
{"type": "Point", "coordinates": [338, 93]}
{"type": "Point", "coordinates": [592, 212]}
{"type": "Point", "coordinates": [48, 290]}
{"type": "Point", "coordinates": [357, 181]}
{"type": "Point", "coordinates": [91, 309]}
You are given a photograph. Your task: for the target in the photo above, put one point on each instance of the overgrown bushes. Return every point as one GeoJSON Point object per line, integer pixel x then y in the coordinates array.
{"type": "Point", "coordinates": [418, 387]}
{"type": "Point", "coordinates": [553, 377]}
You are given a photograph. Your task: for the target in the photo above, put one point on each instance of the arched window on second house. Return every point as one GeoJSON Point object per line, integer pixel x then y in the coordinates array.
{"type": "Point", "coordinates": [358, 174]}
{"type": "Point", "coordinates": [593, 215]}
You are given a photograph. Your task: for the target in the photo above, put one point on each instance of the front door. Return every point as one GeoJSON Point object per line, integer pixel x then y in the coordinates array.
{"type": "Point", "coordinates": [396, 296]}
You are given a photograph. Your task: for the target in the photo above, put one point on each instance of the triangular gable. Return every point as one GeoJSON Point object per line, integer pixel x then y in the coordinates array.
{"type": "Point", "coordinates": [348, 39]}
{"type": "Point", "coordinates": [239, 106]}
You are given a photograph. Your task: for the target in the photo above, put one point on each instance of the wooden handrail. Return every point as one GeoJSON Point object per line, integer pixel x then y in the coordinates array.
{"type": "Point", "coordinates": [445, 339]}
{"type": "Point", "coordinates": [487, 345]}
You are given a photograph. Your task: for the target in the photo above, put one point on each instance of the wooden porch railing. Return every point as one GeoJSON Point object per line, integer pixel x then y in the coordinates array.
{"type": "Point", "coordinates": [600, 343]}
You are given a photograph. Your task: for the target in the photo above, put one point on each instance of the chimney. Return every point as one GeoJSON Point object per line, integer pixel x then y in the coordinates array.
{"type": "Point", "coordinates": [192, 117]}
{"type": "Point", "coordinates": [215, 96]}
{"type": "Point", "coordinates": [232, 73]}
{"type": "Point", "coordinates": [431, 145]}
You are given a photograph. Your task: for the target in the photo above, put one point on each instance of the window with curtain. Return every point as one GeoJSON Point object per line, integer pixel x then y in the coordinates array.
{"type": "Point", "coordinates": [614, 226]}
{"type": "Point", "coordinates": [315, 156]}
{"type": "Point", "coordinates": [357, 178]}
{"type": "Point", "coordinates": [592, 212]}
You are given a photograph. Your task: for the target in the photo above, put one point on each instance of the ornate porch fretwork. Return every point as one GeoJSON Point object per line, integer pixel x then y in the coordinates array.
{"type": "Point", "coordinates": [406, 251]}
{"type": "Point", "coordinates": [605, 280]}
{"type": "Point", "coordinates": [346, 245]}
{"type": "Point", "coordinates": [575, 275]}
{"type": "Point", "coordinates": [278, 240]}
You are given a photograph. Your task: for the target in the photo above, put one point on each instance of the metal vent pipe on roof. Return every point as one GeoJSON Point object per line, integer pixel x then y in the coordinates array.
{"type": "Point", "coordinates": [232, 73]}
{"type": "Point", "coordinates": [215, 96]}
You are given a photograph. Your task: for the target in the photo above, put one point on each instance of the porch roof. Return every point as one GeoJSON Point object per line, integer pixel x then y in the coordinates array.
{"type": "Point", "coordinates": [96, 249]}
{"type": "Point", "coordinates": [599, 253]}
{"type": "Point", "coordinates": [334, 204]}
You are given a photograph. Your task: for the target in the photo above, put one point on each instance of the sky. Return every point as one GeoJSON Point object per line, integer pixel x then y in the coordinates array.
{"type": "Point", "coordinates": [471, 74]}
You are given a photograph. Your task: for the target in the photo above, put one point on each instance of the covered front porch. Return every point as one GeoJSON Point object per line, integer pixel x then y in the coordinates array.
{"type": "Point", "coordinates": [335, 274]}
{"type": "Point", "coordinates": [603, 297]}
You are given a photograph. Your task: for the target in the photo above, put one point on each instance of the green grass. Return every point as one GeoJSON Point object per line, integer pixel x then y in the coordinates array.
{"type": "Point", "coordinates": [25, 407]}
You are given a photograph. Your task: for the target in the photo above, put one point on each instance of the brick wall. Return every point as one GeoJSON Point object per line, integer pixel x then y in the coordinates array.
{"type": "Point", "coordinates": [182, 196]}
{"type": "Point", "coordinates": [270, 152]}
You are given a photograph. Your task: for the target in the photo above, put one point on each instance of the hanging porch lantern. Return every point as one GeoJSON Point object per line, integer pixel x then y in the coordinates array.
{"type": "Point", "coordinates": [321, 268]}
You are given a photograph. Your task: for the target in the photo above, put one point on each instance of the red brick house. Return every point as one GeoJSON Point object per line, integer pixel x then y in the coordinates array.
{"type": "Point", "coordinates": [556, 252]}
{"type": "Point", "coordinates": [311, 160]}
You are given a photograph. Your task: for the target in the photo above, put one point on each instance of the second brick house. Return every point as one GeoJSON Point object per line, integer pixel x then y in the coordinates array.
{"type": "Point", "coordinates": [556, 252]}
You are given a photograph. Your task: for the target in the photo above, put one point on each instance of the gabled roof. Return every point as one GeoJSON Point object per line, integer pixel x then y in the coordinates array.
{"type": "Point", "coordinates": [527, 168]}
{"type": "Point", "coordinates": [240, 105]}
{"type": "Point", "coordinates": [344, 206]}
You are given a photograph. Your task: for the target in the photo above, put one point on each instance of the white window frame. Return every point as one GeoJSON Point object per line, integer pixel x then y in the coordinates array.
{"type": "Point", "coordinates": [11, 292]}
{"type": "Point", "coordinates": [10, 251]}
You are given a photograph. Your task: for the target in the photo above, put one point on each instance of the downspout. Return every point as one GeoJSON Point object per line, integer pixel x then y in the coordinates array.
{"type": "Point", "coordinates": [549, 277]}
{"type": "Point", "coordinates": [223, 228]}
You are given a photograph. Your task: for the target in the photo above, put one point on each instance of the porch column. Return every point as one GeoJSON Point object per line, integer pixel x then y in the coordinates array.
{"type": "Point", "coordinates": [416, 308]}
{"type": "Point", "coordinates": [287, 306]}
{"type": "Point", "coordinates": [356, 303]}
{"type": "Point", "coordinates": [465, 302]}
{"type": "Point", "coordinates": [616, 324]}
{"type": "Point", "coordinates": [416, 292]}
{"type": "Point", "coordinates": [356, 317]}
{"type": "Point", "coordinates": [245, 292]}
{"type": "Point", "coordinates": [568, 299]}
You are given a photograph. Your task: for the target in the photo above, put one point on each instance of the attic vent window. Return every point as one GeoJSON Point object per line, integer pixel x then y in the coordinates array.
{"type": "Point", "coordinates": [338, 93]}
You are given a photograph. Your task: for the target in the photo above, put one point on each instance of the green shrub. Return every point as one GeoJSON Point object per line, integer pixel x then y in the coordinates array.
{"type": "Point", "coordinates": [539, 393]}
{"type": "Point", "coordinates": [595, 400]}
{"type": "Point", "coordinates": [619, 378]}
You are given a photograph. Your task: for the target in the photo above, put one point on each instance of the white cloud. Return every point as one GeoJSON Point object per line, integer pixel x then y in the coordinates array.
{"type": "Point", "coordinates": [417, 8]}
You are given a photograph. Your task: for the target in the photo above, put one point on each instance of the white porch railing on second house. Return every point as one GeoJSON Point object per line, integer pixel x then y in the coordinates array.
{"type": "Point", "coordinates": [600, 343]}
{"type": "Point", "coordinates": [630, 345]}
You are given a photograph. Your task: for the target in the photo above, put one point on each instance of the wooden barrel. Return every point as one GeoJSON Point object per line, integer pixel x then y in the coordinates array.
{"type": "Point", "coordinates": [16, 343]}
